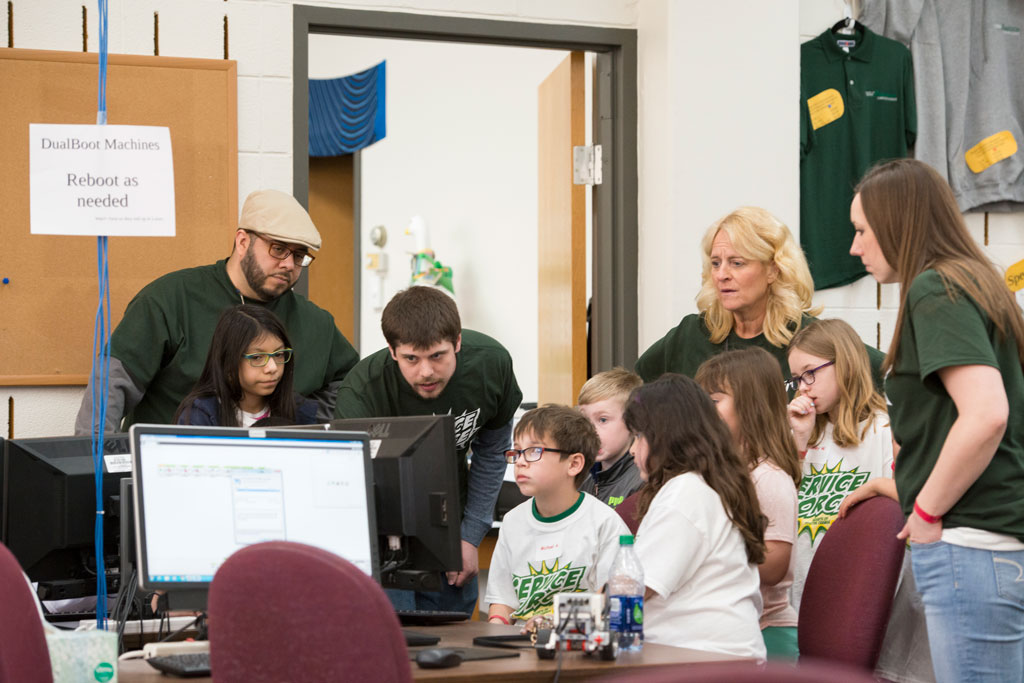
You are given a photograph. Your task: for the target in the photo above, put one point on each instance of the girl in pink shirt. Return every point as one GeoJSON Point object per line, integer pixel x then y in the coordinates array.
{"type": "Point", "coordinates": [751, 399]}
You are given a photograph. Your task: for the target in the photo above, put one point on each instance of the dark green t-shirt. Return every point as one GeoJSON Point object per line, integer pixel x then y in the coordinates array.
{"type": "Point", "coordinates": [940, 332]}
{"type": "Point", "coordinates": [483, 392]}
{"type": "Point", "coordinates": [165, 335]}
{"type": "Point", "coordinates": [688, 344]}
{"type": "Point", "coordinates": [875, 82]}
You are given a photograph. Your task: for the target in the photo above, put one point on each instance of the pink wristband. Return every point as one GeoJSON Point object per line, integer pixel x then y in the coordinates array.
{"type": "Point", "coordinates": [925, 516]}
{"type": "Point", "coordinates": [498, 616]}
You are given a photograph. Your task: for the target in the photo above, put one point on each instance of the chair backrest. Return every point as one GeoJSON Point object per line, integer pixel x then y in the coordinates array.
{"type": "Point", "coordinates": [284, 611]}
{"type": "Point", "coordinates": [747, 672]}
{"type": "Point", "coordinates": [24, 656]}
{"type": "Point", "coordinates": [627, 510]}
{"type": "Point", "coordinates": [850, 585]}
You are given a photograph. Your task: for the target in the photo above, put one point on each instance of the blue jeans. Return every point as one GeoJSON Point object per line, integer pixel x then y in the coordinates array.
{"type": "Point", "coordinates": [450, 599]}
{"type": "Point", "coordinates": [974, 606]}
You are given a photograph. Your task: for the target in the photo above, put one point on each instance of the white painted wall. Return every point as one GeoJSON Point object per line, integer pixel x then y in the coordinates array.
{"type": "Point", "coordinates": [460, 151]}
{"type": "Point", "coordinates": [719, 82]}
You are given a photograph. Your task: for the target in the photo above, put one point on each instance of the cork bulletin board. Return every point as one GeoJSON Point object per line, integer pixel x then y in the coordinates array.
{"type": "Point", "coordinates": [48, 284]}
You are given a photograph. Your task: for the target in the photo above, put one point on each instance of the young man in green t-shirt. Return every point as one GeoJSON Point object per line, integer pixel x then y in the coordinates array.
{"type": "Point", "coordinates": [431, 366]}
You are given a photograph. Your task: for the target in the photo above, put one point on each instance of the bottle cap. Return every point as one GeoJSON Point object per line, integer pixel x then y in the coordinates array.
{"type": "Point", "coordinates": [626, 539]}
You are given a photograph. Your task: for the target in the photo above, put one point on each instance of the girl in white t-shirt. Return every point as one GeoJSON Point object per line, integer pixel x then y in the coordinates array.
{"type": "Point", "coordinates": [841, 429]}
{"type": "Point", "coordinates": [701, 532]}
{"type": "Point", "coordinates": [748, 392]}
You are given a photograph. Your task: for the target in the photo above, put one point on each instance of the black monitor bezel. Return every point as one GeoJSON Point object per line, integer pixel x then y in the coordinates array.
{"type": "Point", "coordinates": [29, 447]}
{"type": "Point", "coordinates": [451, 473]}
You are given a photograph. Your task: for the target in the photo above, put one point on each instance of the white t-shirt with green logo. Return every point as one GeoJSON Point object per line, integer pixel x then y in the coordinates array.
{"type": "Point", "coordinates": [537, 557]}
{"type": "Point", "coordinates": [694, 558]}
{"type": "Point", "coordinates": [830, 473]}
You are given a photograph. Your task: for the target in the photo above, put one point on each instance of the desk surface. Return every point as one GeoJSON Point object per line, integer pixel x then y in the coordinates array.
{"type": "Point", "coordinates": [526, 667]}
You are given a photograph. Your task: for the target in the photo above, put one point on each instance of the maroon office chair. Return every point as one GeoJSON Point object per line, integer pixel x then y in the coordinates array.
{"type": "Point", "coordinates": [746, 672]}
{"type": "Point", "coordinates": [284, 611]}
{"type": "Point", "coordinates": [24, 656]}
{"type": "Point", "coordinates": [850, 586]}
{"type": "Point", "coordinates": [627, 510]}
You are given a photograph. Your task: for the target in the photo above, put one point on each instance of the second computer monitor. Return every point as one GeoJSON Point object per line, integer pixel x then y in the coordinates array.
{"type": "Point", "coordinates": [416, 482]}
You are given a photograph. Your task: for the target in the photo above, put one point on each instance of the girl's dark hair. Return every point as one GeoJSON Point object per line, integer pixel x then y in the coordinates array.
{"type": "Point", "coordinates": [751, 377]}
{"type": "Point", "coordinates": [237, 328]}
{"type": "Point", "coordinates": [685, 434]}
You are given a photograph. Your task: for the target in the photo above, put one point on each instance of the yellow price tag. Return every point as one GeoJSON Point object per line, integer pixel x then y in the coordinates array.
{"type": "Point", "coordinates": [992, 149]}
{"type": "Point", "coordinates": [1015, 276]}
{"type": "Point", "coordinates": [825, 107]}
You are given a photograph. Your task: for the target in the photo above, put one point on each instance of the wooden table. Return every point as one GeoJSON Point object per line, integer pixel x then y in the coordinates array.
{"type": "Point", "coordinates": [527, 667]}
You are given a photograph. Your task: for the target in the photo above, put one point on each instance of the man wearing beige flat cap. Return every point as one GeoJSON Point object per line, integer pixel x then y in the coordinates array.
{"type": "Point", "coordinates": [159, 347]}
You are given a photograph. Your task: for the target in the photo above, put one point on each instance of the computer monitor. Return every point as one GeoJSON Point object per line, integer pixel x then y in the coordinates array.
{"type": "Point", "coordinates": [201, 493]}
{"type": "Point", "coordinates": [49, 511]}
{"type": "Point", "coordinates": [416, 481]}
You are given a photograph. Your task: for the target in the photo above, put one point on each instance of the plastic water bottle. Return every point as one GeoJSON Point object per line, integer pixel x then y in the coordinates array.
{"type": "Point", "coordinates": [626, 596]}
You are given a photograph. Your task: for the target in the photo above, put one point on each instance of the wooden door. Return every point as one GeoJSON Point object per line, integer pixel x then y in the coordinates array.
{"type": "Point", "coordinates": [561, 236]}
{"type": "Point", "coordinates": [331, 206]}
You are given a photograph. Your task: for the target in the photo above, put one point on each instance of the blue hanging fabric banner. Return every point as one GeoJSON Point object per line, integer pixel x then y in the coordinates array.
{"type": "Point", "coordinates": [346, 114]}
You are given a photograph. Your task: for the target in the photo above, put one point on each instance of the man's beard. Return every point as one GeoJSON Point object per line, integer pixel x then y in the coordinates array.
{"type": "Point", "coordinates": [256, 278]}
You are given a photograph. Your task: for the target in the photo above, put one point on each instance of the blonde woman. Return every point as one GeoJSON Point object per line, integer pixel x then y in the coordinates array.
{"type": "Point", "coordinates": [756, 291]}
{"type": "Point", "coordinates": [956, 386]}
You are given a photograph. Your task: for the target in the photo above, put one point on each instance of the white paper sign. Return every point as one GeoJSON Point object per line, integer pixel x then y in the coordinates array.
{"type": "Point", "coordinates": [120, 462]}
{"type": "Point", "coordinates": [101, 180]}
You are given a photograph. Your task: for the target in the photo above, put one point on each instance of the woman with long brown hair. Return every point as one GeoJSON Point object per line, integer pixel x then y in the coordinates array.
{"type": "Point", "coordinates": [956, 387]}
{"type": "Point", "coordinates": [701, 532]}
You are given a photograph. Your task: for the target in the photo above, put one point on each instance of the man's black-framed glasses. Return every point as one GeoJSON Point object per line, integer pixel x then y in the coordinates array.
{"type": "Point", "coordinates": [301, 257]}
{"type": "Point", "coordinates": [531, 454]}
{"type": "Point", "coordinates": [258, 360]}
{"type": "Point", "coordinates": [806, 378]}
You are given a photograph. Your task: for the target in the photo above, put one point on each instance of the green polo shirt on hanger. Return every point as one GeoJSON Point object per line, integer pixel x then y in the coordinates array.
{"type": "Point", "coordinates": [856, 109]}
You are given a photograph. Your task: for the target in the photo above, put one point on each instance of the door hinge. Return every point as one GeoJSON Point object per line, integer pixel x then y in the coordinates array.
{"type": "Point", "coordinates": [586, 165]}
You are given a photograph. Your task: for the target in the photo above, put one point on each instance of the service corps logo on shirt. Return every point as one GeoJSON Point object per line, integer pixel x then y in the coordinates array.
{"type": "Point", "coordinates": [820, 494]}
{"type": "Point", "coordinates": [536, 589]}
{"type": "Point", "coordinates": [466, 426]}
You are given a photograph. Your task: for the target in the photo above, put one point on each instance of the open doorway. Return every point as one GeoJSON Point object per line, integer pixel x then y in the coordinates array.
{"type": "Point", "coordinates": [462, 153]}
{"type": "Point", "coordinates": [613, 322]}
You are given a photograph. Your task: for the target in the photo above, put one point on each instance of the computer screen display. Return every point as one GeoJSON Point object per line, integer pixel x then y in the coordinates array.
{"type": "Point", "coordinates": [203, 493]}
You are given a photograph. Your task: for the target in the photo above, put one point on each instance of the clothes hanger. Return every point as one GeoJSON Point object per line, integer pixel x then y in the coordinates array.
{"type": "Point", "coordinates": [847, 25]}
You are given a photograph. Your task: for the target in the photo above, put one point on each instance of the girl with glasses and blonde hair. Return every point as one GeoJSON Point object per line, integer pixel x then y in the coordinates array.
{"type": "Point", "coordinates": [840, 426]}
{"type": "Point", "coordinates": [247, 376]}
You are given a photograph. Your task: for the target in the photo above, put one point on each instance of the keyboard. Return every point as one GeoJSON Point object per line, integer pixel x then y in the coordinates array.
{"type": "Point", "coordinates": [426, 617]}
{"type": "Point", "coordinates": [188, 665]}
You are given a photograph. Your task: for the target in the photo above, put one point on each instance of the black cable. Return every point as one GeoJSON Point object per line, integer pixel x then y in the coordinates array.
{"type": "Point", "coordinates": [200, 617]}
{"type": "Point", "coordinates": [125, 612]}
{"type": "Point", "coordinates": [558, 665]}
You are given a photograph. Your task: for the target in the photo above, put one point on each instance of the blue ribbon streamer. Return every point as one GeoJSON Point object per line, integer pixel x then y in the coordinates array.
{"type": "Point", "coordinates": [101, 348]}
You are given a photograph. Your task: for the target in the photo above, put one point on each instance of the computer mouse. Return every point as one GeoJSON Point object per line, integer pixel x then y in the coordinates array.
{"type": "Point", "coordinates": [438, 658]}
